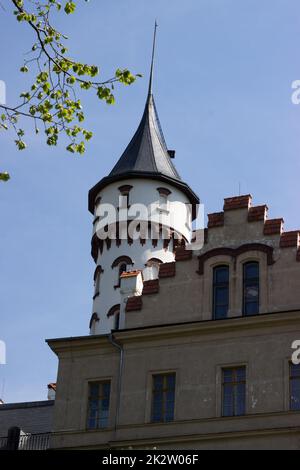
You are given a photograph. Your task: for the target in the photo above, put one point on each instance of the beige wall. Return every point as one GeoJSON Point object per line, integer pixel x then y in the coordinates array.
{"type": "Point", "coordinates": [196, 352]}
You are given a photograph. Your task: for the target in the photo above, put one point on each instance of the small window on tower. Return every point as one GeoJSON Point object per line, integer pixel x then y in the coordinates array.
{"type": "Point", "coordinates": [122, 269]}
{"type": "Point", "coordinates": [114, 313]}
{"type": "Point", "coordinates": [124, 196]}
{"type": "Point", "coordinates": [97, 277]}
{"type": "Point", "coordinates": [163, 203]}
{"type": "Point", "coordinates": [120, 265]}
{"type": "Point", "coordinates": [94, 321]}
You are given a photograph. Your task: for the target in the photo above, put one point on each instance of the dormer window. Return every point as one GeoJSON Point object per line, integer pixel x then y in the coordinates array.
{"type": "Point", "coordinates": [124, 196]}
{"type": "Point", "coordinates": [163, 203]}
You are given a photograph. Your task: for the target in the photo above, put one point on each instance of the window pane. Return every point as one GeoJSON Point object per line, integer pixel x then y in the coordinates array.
{"type": "Point", "coordinates": [158, 382]}
{"type": "Point", "coordinates": [228, 400]}
{"type": "Point", "coordinates": [171, 381]}
{"type": "Point", "coordinates": [220, 311]}
{"type": "Point", "coordinates": [94, 390]}
{"type": "Point", "coordinates": [241, 374]}
{"type": "Point", "coordinates": [163, 397]}
{"type": "Point", "coordinates": [234, 391]}
{"type": "Point", "coordinates": [251, 292]}
{"type": "Point", "coordinates": [251, 308]}
{"type": "Point", "coordinates": [251, 288]}
{"type": "Point", "coordinates": [221, 274]}
{"type": "Point", "coordinates": [295, 387]}
{"type": "Point", "coordinates": [295, 370]}
{"type": "Point", "coordinates": [220, 292]}
{"type": "Point", "coordinates": [227, 375]}
{"type": "Point", "coordinates": [240, 399]}
{"type": "Point", "coordinates": [98, 405]}
{"type": "Point", "coordinates": [251, 270]}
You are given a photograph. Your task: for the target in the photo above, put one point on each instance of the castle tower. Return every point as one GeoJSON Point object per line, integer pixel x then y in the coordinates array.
{"type": "Point", "coordinates": [144, 175]}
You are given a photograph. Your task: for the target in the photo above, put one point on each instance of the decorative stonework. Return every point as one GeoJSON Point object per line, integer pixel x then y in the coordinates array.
{"type": "Point", "coordinates": [273, 227]}
{"type": "Point", "coordinates": [235, 252]}
{"type": "Point", "coordinates": [257, 213]}
{"type": "Point", "coordinates": [237, 202]}
{"type": "Point", "coordinates": [151, 287]}
{"type": "Point", "coordinates": [215, 219]}
{"type": "Point", "coordinates": [289, 239]}
{"type": "Point", "coordinates": [134, 303]}
{"type": "Point", "coordinates": [167, 270]}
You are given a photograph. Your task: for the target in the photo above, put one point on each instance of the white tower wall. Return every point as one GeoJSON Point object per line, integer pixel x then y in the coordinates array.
{"type": "Point", "coordinates": [144, 191]}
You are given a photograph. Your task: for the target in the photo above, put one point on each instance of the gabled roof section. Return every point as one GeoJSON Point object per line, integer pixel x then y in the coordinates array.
{"type": "Point", "coordinates": [147, 150]}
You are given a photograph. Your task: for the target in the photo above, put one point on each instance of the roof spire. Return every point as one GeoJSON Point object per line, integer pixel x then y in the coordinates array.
{"type": "Point", "coordinates": [152, 60]}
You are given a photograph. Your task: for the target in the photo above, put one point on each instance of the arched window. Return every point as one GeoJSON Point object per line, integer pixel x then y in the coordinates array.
{"type": "Point", "coordinates": [163, 198]}
{"type": "Point", "coordinates": [124, 195]}
{"type": "Point", "coordinates": [97, 277]}
{"type": "Point", "coordinates": [117, 321]}
{"type": "Point", "coordinates": [93, 321]}
{"type": "Point", "coordinates": [122, 269]}
{"type": "Point", "coordinates": [251, 288]}
{"type": "Point", "coordinates": [115, 312]}
{"type": "Point", "coordinates": [220, 292]}
{"type": "Point", "coordinates": [121, 264]}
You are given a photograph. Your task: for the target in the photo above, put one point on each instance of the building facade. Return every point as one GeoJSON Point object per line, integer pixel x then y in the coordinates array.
{"type": "Point", "coordinates": [188, 348]}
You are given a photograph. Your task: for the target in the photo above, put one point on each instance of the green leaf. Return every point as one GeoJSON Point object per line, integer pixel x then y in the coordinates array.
{"type": "Point", "coordinates": [20, 144]}
{"type": "Point", "coordinates": [4, 176]}
{"type": "Point", "coordinates": [70, 7]}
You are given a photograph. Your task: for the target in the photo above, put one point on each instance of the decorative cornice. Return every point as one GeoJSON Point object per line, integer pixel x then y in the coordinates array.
{"type": "Point", "coordinates": [134, 303]}
{"type": "Point", "coordinates": [235, 252]}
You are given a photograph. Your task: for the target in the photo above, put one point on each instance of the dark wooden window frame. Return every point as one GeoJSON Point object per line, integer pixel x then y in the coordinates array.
{"type": "Point", "coordinates": [164, 392]}
{"type": "Point", "coordinates": [234, 384]}
{"type": "Point", "coordinates": [100, 397]}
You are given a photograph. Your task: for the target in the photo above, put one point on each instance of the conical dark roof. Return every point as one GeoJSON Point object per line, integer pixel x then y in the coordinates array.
{"type": "Point", "coordinates": [146, 156]}
{"type": "Point", "coordinates": [147, 150]}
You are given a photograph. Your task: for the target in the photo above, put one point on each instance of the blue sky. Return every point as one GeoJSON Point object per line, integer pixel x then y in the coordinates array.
{"type": "Point", "coordinates": [222, 87]}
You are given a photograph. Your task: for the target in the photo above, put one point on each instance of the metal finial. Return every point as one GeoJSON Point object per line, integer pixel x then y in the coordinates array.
{"type": "Point", "coordinates": [152, 59]}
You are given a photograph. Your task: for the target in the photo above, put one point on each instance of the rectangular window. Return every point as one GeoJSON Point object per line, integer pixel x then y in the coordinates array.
{"type": "Point", "coordinates": [234, 391]}
{"type": "Point", "coordinates": [220, 292]}
{"type": "Point", "coordinates": [251, 288]}
{"type": "Point", "coordinates": [294, 386]}
{"type": "Point", "coordinates": [98, 405]}
{"type": "Point", "coordinates": [163, 398]}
